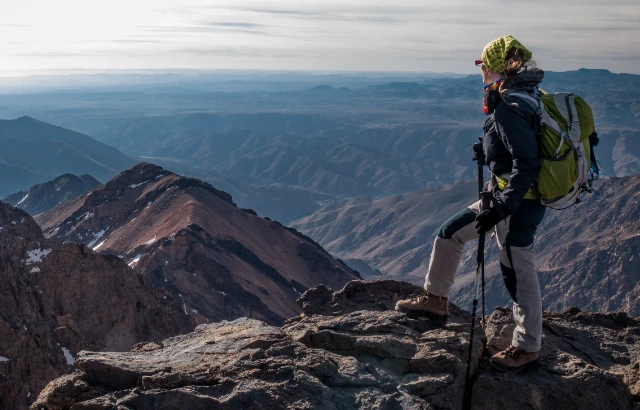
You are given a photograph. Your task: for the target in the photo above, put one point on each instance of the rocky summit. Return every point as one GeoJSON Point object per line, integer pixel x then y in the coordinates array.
{"type": "Point", "coordinates": [350, 350]}
{"type": "Point", "coordinates": [189, 237]}
{"type": "Point", "coordinates": [57, 299]}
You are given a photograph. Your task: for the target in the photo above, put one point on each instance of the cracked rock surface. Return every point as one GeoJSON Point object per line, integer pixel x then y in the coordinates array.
{"type": "Point", "coordinates": [351, 350]}
{"type": "Point", "coordinates": [587, 361]}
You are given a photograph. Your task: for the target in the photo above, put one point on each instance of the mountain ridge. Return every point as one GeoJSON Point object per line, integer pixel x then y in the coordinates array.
{"type": "Point", "coordinates": [35, 151]}
{"type": "Point", "coordinates": [47, 195]}
{"type": "Point", "coordinates": [187, 236]}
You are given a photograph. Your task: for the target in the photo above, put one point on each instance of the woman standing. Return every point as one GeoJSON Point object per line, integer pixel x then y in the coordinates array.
{"type": "Point", "coordinates": [509, 148]}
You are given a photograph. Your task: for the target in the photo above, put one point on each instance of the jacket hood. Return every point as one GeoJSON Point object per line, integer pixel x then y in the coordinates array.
{"type": "Point", "coordinates": [526, 80]}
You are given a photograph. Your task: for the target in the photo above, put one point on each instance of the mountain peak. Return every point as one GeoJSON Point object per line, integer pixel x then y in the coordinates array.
{"type": "Point", "coordinates": [145, 168]}
{"type": "Point", "coordinates": [190, 237]}
{"type": "Point", "coordinates": [594, 71]}
{"type": "Point", "coordinates": [26, 118]}
{"type": "Point", "coordinates": [47, 195]}
{"type": "Point", "coordinates": [155, 177]}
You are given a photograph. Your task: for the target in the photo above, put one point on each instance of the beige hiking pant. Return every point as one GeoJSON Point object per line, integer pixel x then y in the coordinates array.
{"type": "Point", "coordinates": [517, 261]}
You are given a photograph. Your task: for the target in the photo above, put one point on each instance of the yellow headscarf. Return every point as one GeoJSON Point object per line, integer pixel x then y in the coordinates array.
{"type": "Point", "coordinates": [495, 53]}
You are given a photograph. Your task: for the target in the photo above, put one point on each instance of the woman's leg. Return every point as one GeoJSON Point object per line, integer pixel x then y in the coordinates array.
{"type": "Point", "coordinates": [518, 264]}
{"type": "Point", "coordinates": [447, 250]}
{"type": "Point", "coordinates": [445, 260]}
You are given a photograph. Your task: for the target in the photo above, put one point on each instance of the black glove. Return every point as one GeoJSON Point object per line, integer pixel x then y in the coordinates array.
{"type": "Point", "coordinates": [478, 152]}
{"type": "Point", "coordinates": [489, 218]}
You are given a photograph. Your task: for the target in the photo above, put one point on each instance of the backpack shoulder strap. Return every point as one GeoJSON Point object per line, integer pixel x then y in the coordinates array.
{"type": "Point", "coordinates": [565, 104]}
{"type": "Point", "coordinates": [546, 120]}
{"type": "Point", "coordinates": [530, 99]}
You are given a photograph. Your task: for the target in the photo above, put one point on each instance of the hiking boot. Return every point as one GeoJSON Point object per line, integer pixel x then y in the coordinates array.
{"type": "Point", "coordinates": [513, 359]}
{"type": "Point", "coordinates": [425, 305]}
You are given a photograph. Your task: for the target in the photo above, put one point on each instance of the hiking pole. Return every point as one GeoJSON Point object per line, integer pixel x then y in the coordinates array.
{"type": "Point", "coordinates": [484, 202]}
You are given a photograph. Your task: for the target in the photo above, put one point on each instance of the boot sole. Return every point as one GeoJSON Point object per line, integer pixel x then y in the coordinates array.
{"type": "Point", "coordinates": [514, 370]}
{"type": "Point", "coordinates": [423, 314]}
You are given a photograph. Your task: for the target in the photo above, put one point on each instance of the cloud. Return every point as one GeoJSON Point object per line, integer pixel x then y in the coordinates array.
{"type": "Point", "coordinates": [235, 52]}
{"type": "Point", "coordinates": [214, 27]}
{"type": "Point", "coordinates": [56, 54]}
{"type": "Point", "coordinates": [327, 34]}
{"type": "Point", "coordinates": [284, 12]}
{"type": "Point", "coordinates": [235, 24]}
{"type": "Point", "coordinates": [134, 41]}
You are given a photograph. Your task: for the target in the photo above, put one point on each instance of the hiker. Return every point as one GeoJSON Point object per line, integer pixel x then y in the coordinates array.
{"type": "Point", "coordinates": [510, 150]}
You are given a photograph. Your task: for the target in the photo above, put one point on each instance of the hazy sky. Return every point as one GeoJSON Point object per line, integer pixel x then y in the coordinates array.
{"type": "Point", "coordinates": [401, 35]}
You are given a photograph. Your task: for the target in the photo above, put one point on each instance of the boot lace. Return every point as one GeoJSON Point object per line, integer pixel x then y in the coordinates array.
{"type": "Point", "coordinates": [513, 352]}
{"type": "Point", "coordinates": [423, 297]}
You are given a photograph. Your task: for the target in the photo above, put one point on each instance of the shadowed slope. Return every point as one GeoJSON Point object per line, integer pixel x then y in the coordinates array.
{"type": "Point", "coordinates": [34, 151]}
{"type": "Point", "coordinates": [56, 300]}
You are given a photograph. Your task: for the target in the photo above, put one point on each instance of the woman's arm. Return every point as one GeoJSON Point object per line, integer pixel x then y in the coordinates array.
{"type": "Point", "coordinates": [518, 129]}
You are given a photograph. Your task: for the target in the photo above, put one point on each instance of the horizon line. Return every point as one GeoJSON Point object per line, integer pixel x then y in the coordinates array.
{"type": "Point", "coordinates": [12, 73]}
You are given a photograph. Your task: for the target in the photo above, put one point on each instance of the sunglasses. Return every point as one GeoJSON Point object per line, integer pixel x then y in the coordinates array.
{"type": "Point", "coordinates": [478, 62]}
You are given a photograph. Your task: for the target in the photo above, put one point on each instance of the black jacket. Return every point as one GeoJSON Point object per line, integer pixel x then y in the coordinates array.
{"type": "Point", "coordinates": [510, 140]}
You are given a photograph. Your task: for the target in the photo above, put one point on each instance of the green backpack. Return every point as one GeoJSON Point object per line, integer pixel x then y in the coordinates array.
{"type": "Point", "coordinates": [565, 145]}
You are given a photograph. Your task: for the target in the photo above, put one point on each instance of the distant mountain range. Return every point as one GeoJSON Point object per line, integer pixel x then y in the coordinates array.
{"type": "Point", "coordinates": [299, 147]}
{"type": "Point", "coordinates": [389, 237]}
{"type": "Point", "coordinates": [189, 237]}
{"type": "Point", "coordinates": [34, 152]}
{"type": "Point", "coordinates": [588, 255]}
{"type": "Point", "coordinates": [47, 195]}
{"type": "Point", "coordinates": [372, 140]}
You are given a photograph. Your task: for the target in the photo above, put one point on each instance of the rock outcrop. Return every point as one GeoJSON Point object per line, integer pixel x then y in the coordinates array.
{"type": "Point", "coordinates": [587, 360]}
{"type": "Point", "coordinates": [189, 237]}
{"type": "Point", "coordinates": [351, 350]}
{"type": "Point", "coordinates": [47, 195]}
{"type": "Point", "coordinates": [56, 300]}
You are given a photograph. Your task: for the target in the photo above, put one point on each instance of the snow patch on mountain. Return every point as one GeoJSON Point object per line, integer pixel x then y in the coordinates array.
{"type": "Point", "coordinates": [136, 259]}
{"type": "Point", "coordinates": [36, 255]}
{"type": "Point", "coordinates": [67, 355]}
{"type": "Point", "coordinates": [23, 199]}
{"type": "Point", "coordinates": [97, 236]}
{"type": "Point", "coordinates": [137, 185]}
